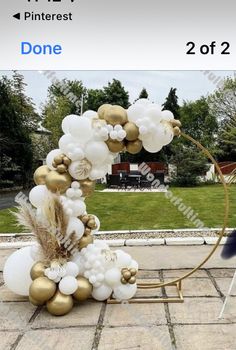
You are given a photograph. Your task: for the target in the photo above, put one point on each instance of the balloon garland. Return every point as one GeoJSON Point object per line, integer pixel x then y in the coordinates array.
{"type": "Point", "coordinates": [66, 265]}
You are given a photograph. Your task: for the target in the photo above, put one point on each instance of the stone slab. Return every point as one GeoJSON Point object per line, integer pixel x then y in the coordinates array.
{"type": "Point", "coordinates": [7, 295]}
{"type": "Point", "coordinates": [194, 287]}
{"type": "Point", "coordinates": [218, 273]}
{"type": "Point", "coordinates": [7, 340]}
{"type": "Point", "coordinates": [15, 316]}
{"type": "Point", "coordinates": [134, 315]}
{"type": "Point", "coordinates": [224, 284]}
{"type": "Point", "coordinates": [205, 337]}
{"type": "Point", "coordinates": [58, 339]}
{"type": "Point", "coordinates": [184, 241]}
{"type": "Point", "coordinates": [83, 314]}
{"type": "Point", "coordinates": [213, 240]}
{"type": "Point", "coordinates": [145, 242]}
{"type": "Point", "coordinates": [4, 254]}
{"type": "Point", "coordinates": [179, 273]}
{"type": "Point", "coordinates": [144, 338]}
{"type": "Point", "coordinates": [197, 311]}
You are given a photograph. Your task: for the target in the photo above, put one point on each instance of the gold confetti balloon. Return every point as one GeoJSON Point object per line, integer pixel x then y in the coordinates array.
{"type": "Point", "coordinates": [132, 131]}
{"type": "Point", "coordinates": [60, 304]}
{"type": "Point", "coordinates": [84, 289]}
{"type": "Point", "coordinates": [40, 175]}
{"type": "Point", "coordinates": [42, 289]}
{"type": "Point", "coordinates": [116, 115]}
{"type": "Point", "coordinates": [37, 270]}
{"type": "Point", "coordinates": [56, 182]}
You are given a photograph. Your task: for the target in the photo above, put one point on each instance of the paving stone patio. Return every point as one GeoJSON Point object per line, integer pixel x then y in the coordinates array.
{"type": "Point", "coordinates": [193, 325]}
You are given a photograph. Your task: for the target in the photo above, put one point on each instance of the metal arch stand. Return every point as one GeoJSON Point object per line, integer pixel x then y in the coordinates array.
{"type": "Point", "coordinates": [178, 282]}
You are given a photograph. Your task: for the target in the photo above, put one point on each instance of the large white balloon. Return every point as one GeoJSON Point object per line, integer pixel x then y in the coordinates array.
{"type": "Point", "coordinates": [102, 293]}
{"type": "Point", "coordinates": [66, 143]}
{"type": "Point", "coordinates": [135, 112]}
{"type": "Point", "coordinates": [167, 115]}
{"type": "Point", "coordinates": [96, 152]}
{"type": "Point", "coordinates": [38, 195]}
{"type": "Point", "coordinates": [154, 113]}
{"type": "Point", "coordinates": [68, 285]}
{"type": "Point", "coordinates": [75, 225]}
{"type": "Point", "coordinates": [16, 272]}
{"type": "Point", "coordinates": [125, 291]}
{"type": "Point", "coordinates": [81, 128]}
{"type": "Point", "coordinates": [123, 259]}
{"type": "Point", "coordinates": [66, 122]}
{"type": "Point", "coordinates": [143, 102]}
{"type": "Point", "coordinates": [50, 157]}
{"type": "Point", "coordinates": [90, 114]}
{"type": "Point", "coordinates": [113, 277]}
{"type": "Point", "coordinates": [152, 146]}
{"type": "Point", "coordinates": [72, 269]}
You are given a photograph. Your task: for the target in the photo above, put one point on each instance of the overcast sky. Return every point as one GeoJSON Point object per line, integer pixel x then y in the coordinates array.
{"type": "Point", "coordinates": [190, 84]}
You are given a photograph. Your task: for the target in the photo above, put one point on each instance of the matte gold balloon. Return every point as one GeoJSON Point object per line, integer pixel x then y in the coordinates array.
{"type": "Point", "coordinates": [35, 302]}
{"type": "Point", "coordinates": [177, 131]}
{"type": "Point", "coordinates": [92, 224]}
{"type": "Point", "coordinates": [123, 280]}
{"type": "Point", "coordinates": [56, 182]}
{"type": "Point", "coordinates": [61, 168]}
{"type": "Point", "coordinates": [60, 304]}
{"type": "Point", "coordinates": [132, 131]}
{"type": "Point", "coordinates": [42, 289]}
{"type": "Point", "coordinates": [85, 241]}
{"type": "Point", "coordinates": [58, 159]}
{"type": "Point", "coordinates": [87, 231]}
{"type": "Point", "coordinates": [127, 275]}
{"type": "Point", "coordinates": [85, 219]}
{"type": "Point", "coordinates": [103, 109]}
{"type": "Point", "coordinates": [176, 122]}
{"type": "Point", "coordinates": [84, 289]}
{"type": "Point", "coordinates": [134, 147]}
{"type": "Point", "coordinates": [132, 280]}
{"type": "Point", "coordinates": [116, 115]}
{"type": "Point", "coordinates": [40, 175]}
{"type": "Point", "coordinates": [37, 270]}
{"type": "Point", "coordinates": [115, 146]}
{"type": "Point", "coordinates": [87, 187]}
{"type": "Point", "coordinates": [66, 161]}
{"type": "Point", "coordinates": [133, 271]}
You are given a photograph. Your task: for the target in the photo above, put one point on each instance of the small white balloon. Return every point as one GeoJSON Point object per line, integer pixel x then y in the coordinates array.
{"type": "Point", "coordinates": [123, 259]}
{"type": "Point", "coordinates": [16, 271]}
{"type": "Point", "coordinates": [68, 285]}
{"type": "Point", "coordinates": [125, 291]}
{"type": "Point", "coordinates": [50, 157]}
{"type": "Point", "coordinates": [75, 225]}
{"type": "Point", "coordinates": [90, 114]}
{"type": "Point", "coordinates": [143, 102]}
{"type": "Point", "coordinates": [113, 277]}
{"type": "Point", "coordinates": [37, 195]}
{"type": "Point", "coordinates": [113, 135]}
{"type": "Point", "coordinates": [102, 293]}
{"type": "Point", "coordinates": [154, 113]}
{"type": "Point", "coordinates": [72, 269]}
{"type": "Point", "coordinates": [66, 123]}
{"type": "Point", "coordinates": [66, 143]}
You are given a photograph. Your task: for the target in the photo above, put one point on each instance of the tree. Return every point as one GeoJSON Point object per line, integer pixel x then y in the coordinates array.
{"type": "Point", "coordinates": [223, 106]}
{"type": "Point", "coordinates": [116, 94]}
{"type": "Point", "coordinates": [15, 134]}
{"type": "Point", "coordinates": [143, 94]}
{"type": "Point", "coordinates": [171, 103]}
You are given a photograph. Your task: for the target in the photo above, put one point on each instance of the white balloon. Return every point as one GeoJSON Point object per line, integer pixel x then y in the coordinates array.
{"type": "Point", "coordinates": [50, 157]}
{"type": "Point", "coordinates": [113, 135]}
{"type": "Point", "coordinates": [75, 225]}
{"type": "Point", "coordinates": [78, 207]}
{"type": "Point", "coordinates": [66, 143]}
{"type": "Point", "coordinates": [134, 265]}
{"type": "Point", "coordinates": [68, 285]}
{"type": "Point", "coordinates": [167, 115]}
{"type": "Point", "coordinates": [97, 221]}
{"type": "Point", "coordinates": [72, 269]}
{"type": "Point", "coordinates": [81, 128]}
{"type": "Point", "coordinates": [38, 195]}
{"type": "Point", "coordinates": [123, 259]}
{"type": "Point", "coordinates": [90, 114]}
{"type": "Point", "coordinates": [66, 123]}
{"type": "Point", "coordinates": [152, 146]}
{"type": "Point", "coordinates": [135, 112]}
{"type": "Point", "coordinates": [102, 293]}
{"type": "Point", "coordinates": [16, 272]}
{"type": "Point", "coordinates": [125, 291]}
{"type": "Point", "coordinates": [79, 170]}
{"type": "Point", "coordinates": [143, 102]}
{"type": "Point", "coordinates": [154, 113]}
{"type": "Point", "coordinates": [96, 152]}
{"type": "Point", "coordinates": [113, 277]}
{"type": "Point", "coordinates": [164, 133]}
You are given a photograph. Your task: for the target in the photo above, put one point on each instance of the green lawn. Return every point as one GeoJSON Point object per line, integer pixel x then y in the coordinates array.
{"type": "Point", "coordinates": [122, 211]}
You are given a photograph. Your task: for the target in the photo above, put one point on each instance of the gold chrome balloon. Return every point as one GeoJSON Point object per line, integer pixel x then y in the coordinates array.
{"type": "Point", "coordinates": [132, 280]}
{"type": "Point", "coordinates": [58, 159]}
{"type": "Point", "coordinates": [85, 241]}
{"type": "Point", "coordinates": [87, 187]}
{"type": "Point", "coordinates": [103, 109]}
{"type": "Point", "coordinates": [35, 302]}
{"type": "Point", "coordinates": [56, 182]}
{"type": "Point", "coordinates": [133, 271]}
{"type": "Point", "coordinates": [134, 147]}
{"type": "Point", "coordinates": [40, 175]}
{"type": "Point", "coordinates": [132, 131]}
{"type": "Point", "coordinates": [84, 289]}
{"type": "Point", "coordinates": [92, 224]}
{"type": "Point", "coordinates": [60, 304]}
{"type": "Point", "coordinates": [127, 275]}
{"type": "Point", "coordinates": [115, 146]}
{"type": "Point", "coordinates": [116, 115]}
{"type": "Point", "coordinates": [62, 168]}
{"type": "Point", "coordinates": [176, 122]}
{"type": "Point", "coordinates": [177, 131]}
{"type": "Point", "coordinates": [42, 289]}
{"type": "Point", "coordinates": [37, 270]}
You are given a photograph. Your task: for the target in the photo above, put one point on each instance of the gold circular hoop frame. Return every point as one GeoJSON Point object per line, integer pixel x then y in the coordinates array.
{"type": "Point", "coordinates": [226, 214]}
